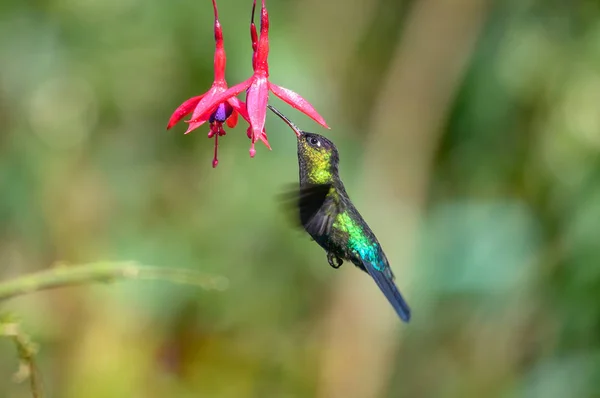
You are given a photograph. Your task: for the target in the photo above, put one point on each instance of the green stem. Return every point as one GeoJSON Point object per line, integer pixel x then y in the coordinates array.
{"type": "Point", "coordinates": [26, 350]}
{"type": "Point", "coordinates": [62, 276]}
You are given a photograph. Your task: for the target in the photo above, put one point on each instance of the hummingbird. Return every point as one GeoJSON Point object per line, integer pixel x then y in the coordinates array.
{"type": "Point", "coordinates": [331, 219]}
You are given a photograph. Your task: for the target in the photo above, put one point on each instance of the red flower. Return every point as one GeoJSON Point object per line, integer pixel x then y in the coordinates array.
{"type": "Point", "coordinates": [258, 87]}
{"type": "Point", "coordinates": [204, 106]}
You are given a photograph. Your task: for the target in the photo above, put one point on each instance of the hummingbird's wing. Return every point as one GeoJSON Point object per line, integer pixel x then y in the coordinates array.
{"type": "Point", "coordinates": [385, 280]}
{"type": "Point", "coordinates": [317, 210]}
{"type": "Point", "coordinates": [312, 208]}
{"type": "Point", "coordinates": [288, 203]}
{"type": "Point", "coordinates": [303, 203]}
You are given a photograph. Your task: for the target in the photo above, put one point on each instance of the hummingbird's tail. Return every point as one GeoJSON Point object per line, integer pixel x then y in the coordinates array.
{"type": "Point", "coordinates": [385, 281]}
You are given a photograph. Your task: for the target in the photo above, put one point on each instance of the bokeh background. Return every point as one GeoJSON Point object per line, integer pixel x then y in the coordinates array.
{"type": "Point", "coordinates": [469, 133]}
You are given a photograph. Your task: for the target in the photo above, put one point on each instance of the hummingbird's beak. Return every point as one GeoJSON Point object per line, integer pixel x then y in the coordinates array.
{"type": "Point", "coordinates": [298, 132]}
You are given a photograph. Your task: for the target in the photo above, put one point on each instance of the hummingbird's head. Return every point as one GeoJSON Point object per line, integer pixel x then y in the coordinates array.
{"type": "Point", "coordinates": [317, 156]}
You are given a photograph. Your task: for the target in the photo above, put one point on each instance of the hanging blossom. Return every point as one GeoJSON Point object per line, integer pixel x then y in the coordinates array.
{"type": "Point", "coordinates": [258, 86]}
{"type": "Point", "coordinates": [220, 103]}
{"type": "Point", "coordinates": [254, 41]}
{"type": "Point", "coordinates": [225, 111]}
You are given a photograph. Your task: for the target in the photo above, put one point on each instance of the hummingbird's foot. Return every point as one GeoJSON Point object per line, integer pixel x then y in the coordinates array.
{"type": "Point", "coordinates": [334, 260]}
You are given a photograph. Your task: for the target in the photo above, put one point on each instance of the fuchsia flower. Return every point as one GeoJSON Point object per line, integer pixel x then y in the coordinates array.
{"type": "Point", "coordinates": [222, 112]}
{"type": "Point", "coordinates": [258, 86]}
{"type": "Point", "coordinates": [219, 105]}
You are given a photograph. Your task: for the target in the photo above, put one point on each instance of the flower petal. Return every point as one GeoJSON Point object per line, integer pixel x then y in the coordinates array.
{"type": "Point", "coordinates": [193, 125]}
{"type": "Point", "coordinates": [263, 138]}
{"type": "Point", "coordinates": [240, 107]}
{"type": "Point", "coordinates": [183, 110]}
{"type": "Point", "coordinates": [256, 102]}
{"type": "Point", "coordinates": [233, 119]}
{"type": "Point", "coordinates": [207, 105]}
{"type": "Point", "coordinates": [295, 100]}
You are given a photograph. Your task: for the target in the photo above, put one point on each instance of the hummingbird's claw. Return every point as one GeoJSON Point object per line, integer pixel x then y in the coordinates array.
{"type": "Point", "coordinates": [334, 260]}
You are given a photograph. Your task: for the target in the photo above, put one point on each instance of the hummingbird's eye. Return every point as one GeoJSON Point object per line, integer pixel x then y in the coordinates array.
{"type": "Point", "coordinates": [314, 141]}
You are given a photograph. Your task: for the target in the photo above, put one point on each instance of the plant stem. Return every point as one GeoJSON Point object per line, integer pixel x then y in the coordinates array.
{"type": "Point", "coordinates": [62, 276]}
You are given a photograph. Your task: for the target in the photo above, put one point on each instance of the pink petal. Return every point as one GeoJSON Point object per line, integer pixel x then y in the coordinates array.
{"type": "Point", "coordinates": [256, 102]}
{"type": "Point", "coordinates": [263, 138]}
{"type": "Point", "coordinates": [233, 119]}
{"type": "Point", "coordinates": [183, 110]}
{"type": "Point", "coordinates": [240, 107]}
{"type": "Point", "coordinates": [207, 107]}
{"type": "Point", "coordinates": [295, 100]}
{"type": "Point", "coordinates": [193, 125]}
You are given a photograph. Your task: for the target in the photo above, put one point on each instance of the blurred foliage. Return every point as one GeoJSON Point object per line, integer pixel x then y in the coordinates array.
{"type": "Point", "coordinates": [506, 292]}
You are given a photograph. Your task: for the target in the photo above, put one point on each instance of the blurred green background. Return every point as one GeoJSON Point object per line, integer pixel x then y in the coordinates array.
{"type": "Point", "coordinates": [469, 133]}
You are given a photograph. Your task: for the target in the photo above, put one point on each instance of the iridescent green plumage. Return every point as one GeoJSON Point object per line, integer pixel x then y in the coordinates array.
{"type": "Point", "coordinates": [318, 167]}
{"type": "Point", "coordinates": [329, 216]}
{"type": "Point", "coordinates": [358, 241]}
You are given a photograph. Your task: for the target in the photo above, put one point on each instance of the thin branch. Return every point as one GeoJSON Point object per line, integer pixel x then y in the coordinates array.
{"type": "Point", "coordinates": [26, 350]}
{"type": "Point", "coordinates": [62, 276]}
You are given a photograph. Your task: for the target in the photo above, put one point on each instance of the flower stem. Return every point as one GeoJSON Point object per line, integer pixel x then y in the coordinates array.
{"type": "Point", "coordinates": [253, 9]}
{"type": "Point", "coordinates": [253, 35]}
{"type": "Point", "coordinates": [215, 9]}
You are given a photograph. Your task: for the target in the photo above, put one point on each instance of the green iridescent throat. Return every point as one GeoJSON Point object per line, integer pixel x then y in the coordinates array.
{"type": "Point", "coordinates": [319, 167]}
